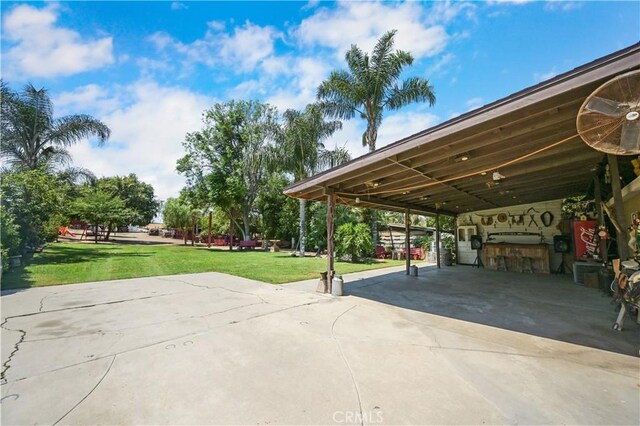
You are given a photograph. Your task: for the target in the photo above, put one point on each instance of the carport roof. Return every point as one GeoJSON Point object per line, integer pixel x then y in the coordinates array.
{"type": "Point", "coordinates": [537, 126]}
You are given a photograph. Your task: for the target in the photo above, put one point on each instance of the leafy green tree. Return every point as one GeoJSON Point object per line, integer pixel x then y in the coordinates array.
{"type": "Point", "coordinates": [278, 213]}
{"type": "Point", "coordinates": [302, 152]}
{"type": "Point", "coordinates": [99, 207]}
{"type": "Point", "coordinates": [34, 199]}
{"type": "Point", "coordinates": [354, 240]}
{"type": "Point", "coordinates": [32, 138]}
{"type": "Point", "coordinates": [317, 225]}
{"type": "Point", "coordinates": [372, 86]}
{"type": "Point", "coordinates": [138, 197]}
{"type": "Point", "coordinates": [179, 215]}
{"type": "Point", "coordinates": [9, 237]}
{"type": "Point", "coordinates": [226, 161]}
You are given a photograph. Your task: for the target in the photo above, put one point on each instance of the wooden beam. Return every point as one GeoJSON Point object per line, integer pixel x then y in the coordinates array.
{"type": "Point", "coordinates": [616, 190]}
{"type": "Point", "coordinates": [438, 240]}
{"type": "Point", "coordinates": [407, 240]}
{"type": "Point", "coordinates": [383, 203]}
{"type": "Point", "coordinates": [331, 202]}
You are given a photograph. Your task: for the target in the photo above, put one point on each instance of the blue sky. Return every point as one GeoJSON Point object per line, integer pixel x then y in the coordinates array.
{"type": "Point", "coordinates": [149, 69]}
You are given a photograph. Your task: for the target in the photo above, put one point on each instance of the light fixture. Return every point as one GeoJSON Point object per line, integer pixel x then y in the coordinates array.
{"type": "Point", "coordinates": [497, 176]}
{"type": "Point", "coordinates": [463, 156]}
{"type": "Point", "coordinates": [483, 173]}
{"type": "Point", "coordinates": [357, 200]}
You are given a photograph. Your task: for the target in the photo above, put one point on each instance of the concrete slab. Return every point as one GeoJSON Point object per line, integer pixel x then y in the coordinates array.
{"type": "Point", "coordinates": [216, 349]}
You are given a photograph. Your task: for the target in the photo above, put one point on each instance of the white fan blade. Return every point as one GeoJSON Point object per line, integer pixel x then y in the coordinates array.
{"type": "Point", "coordinates": [606, 107]}
{"type": "Point", "coordinates": [630, 137]}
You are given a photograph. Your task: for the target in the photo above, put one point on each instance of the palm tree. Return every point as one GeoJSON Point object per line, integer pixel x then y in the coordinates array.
{"type": "Point", "coordinates": [32, 138]}
{"type": "Point", "coordinates": [370, 87]}
{"type": "Point", "coordinates": [302, 152]}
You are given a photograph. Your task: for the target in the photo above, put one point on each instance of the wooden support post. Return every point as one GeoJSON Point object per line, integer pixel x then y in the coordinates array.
{"type": "Point", "coordinates": [407, 239]}
{"type": "Point", "coordinates": [438, 240]}
{"type": "Point", "coordinates": [209, 231]}
{"type": "Point", "coordinates": [598, 199]}
{"type": "Point", "coordinates": [616, 189]}
{"type": "Point", "coordinates": [331, 203]}
{"type": "Point", "coordinates": [455, 237]}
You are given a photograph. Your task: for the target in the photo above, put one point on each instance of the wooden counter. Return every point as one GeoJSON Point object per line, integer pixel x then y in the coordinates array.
{"type": "Point", "coordinates": [514, 253]}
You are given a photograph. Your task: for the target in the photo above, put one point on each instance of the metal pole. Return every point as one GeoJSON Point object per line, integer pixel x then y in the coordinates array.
{"type": "Point", "coordinates": [598, 199]}
{"type": "Point", "coordinates": [438, 240]}
{"type": "Point", "coordinates": [407, 239]}
{"type": "Point", "coordinates": [623, 251]}
{"type": "Point", "coordinates": [209, 234]}
{"type": "Point", "coordinates": [331, 201]}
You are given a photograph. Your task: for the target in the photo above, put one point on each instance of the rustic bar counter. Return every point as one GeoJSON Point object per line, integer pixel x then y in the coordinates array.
{"type": "Point", "coordinates": [514, 257]}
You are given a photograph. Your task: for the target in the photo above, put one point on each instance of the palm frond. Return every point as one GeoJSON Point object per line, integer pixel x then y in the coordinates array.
{"type": "Point", "coordinates": [414, 89]}
{"type": "Point", "coordinates": [68, 130]}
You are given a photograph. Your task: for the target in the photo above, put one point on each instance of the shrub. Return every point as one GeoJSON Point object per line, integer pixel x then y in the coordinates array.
{"type": "Point", "coordinates": [423, 241]}
{"type": "Point", "coordinates": [354, 240]}
{"type": "Point", "coordinates": [9, 234]}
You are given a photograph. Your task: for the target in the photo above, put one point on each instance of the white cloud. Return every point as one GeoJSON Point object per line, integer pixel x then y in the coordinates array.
{"type": "Point", "coordinates": [363, 23]}
{"type": "Point", "coordinates": [243, 49]}
{"type": "Point", "coordinates": [542, 76]}
{"type": "Point", "coordinates": [176, 5]}
{"type": "Point", "coordinates": [562, 5]}
{"type": "Point", "coordinates": [440, 64]}
{"type": "Point", "coordinates": [91, 97]}
{"type": "Point", "coordinates": [40, 48]}
{"type": "Point", "coordinates": [447, 11]}
{"type": "Point", "coordinates": [513, 2]}
{"type": "Point", "coordinates": [146, 134]}
{"type": "Point", "coordinates": [474, 103]}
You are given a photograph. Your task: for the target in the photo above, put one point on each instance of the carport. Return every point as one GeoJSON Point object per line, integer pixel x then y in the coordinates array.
{"type": "Point", "coordinates": [529, 137]}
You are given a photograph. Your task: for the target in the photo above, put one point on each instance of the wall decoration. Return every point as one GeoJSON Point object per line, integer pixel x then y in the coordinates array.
{"type": "Point", "coordinates": [546, 218]}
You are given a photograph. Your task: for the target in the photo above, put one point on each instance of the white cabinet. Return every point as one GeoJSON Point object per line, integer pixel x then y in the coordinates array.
{"type": "Point", "coordinates": [466, 255]}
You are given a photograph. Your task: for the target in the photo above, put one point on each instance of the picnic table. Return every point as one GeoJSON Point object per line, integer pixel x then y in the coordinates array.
{"type": "Point", "coordinates": [274, 246]}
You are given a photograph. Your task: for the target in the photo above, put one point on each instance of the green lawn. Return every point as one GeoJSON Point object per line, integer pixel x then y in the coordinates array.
{"type": "Point", "coordinates": [75, 263]}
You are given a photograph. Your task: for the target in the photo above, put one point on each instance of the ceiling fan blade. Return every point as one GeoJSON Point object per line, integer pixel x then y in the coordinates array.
{"type": "Point", "coordinates": [630, 137]}
{"type": "Point", "coordinates": [606, 107]}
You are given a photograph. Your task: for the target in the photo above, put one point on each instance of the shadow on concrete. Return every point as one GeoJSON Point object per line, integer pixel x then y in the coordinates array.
{"type": "Point", "coordinates": [550, 306]}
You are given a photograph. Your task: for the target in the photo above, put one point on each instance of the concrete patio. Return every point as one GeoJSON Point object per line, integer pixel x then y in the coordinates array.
{"type": "Point", "coordinates": [453, 346]}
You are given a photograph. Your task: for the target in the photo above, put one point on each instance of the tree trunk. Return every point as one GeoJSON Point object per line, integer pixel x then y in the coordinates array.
{"type": "Point", "coordinates": [95, 234]}
{"type": "Point", "coordinates": [303, 204]}
{"type": "Point", "coordinates": [373, 133]}
{"type": "Point", "coordinates": [106, 238]}
{"type": "Point", "coordinates": [193, 230]}
{"type": "Point", "coordinates": [184, 235]}
{"type": "Point", "coordinates": [245, 222]}
{"type": "Point", "coordinates": [231, 232]}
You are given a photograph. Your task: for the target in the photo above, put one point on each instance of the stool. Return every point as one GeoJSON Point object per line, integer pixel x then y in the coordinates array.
{"type": "Point", "coordinates": [527, 265]}
{"type": "Point", "coordinates": [501, 263]}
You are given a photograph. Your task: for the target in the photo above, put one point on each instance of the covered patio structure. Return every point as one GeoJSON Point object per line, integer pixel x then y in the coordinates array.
{"type": "Point", "coordinates": [529, 138]}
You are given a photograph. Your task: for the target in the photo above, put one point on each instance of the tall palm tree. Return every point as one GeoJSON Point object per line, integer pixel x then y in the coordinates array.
{"type": "Point", "coordinates": [370, 87]}
{"type": "Point", "coordinates": [302, 152]}
{"type": "Point", "coordinates": [32, 138]}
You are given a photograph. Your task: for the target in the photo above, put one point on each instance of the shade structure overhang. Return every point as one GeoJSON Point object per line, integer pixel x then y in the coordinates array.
{"type": "Point", "coordinates": [529, 137]}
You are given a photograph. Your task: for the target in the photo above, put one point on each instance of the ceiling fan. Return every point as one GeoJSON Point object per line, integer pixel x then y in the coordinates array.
{"type": "Point", "coordinates": [609, 119]}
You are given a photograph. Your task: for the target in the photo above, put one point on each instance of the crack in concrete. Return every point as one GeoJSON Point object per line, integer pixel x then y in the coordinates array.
{"type": "Point", "coordinates": [193, 334]}
{"type": "Point", "coordinates": [346, 362]}
{"type": "Point", "coordinates": [42, 301]}
{"type": "Point", "coordinates": [16, 347]}
{"type": "Point", "coordinates": [90, 392]}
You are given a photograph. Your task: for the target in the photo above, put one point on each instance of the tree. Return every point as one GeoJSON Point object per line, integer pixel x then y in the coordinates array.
{"type": "Point", "coordinates": [179, 215]}
{"type": "Point", "coordinates": [353, 240]}
{"type": "Point", "coordinates": [97, 207]}
{"type": "Point", "coordinates": [32, 138]}
{"type": "Point", "coordinates": [36, 200]}
{"type": "Point", "coordinates": [302, 152]}
{"type": "Point", "coordinates": [370, 87]}
{"type": "Point", "coordinates": [138, 197]}
{"type": "Point", "coordinates": [226, 161]}
{"type": "Point", "coordinates": [278, 213]}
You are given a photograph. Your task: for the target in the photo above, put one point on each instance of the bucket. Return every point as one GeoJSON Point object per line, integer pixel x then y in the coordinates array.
{"type": "Point", "coordinates": [413, 271]}
{"type": "Point", "coordinates": [336, 285]}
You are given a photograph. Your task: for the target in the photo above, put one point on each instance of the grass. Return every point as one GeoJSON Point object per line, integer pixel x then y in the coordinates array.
{"type": "Point", "coordinates": [65, 263]}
